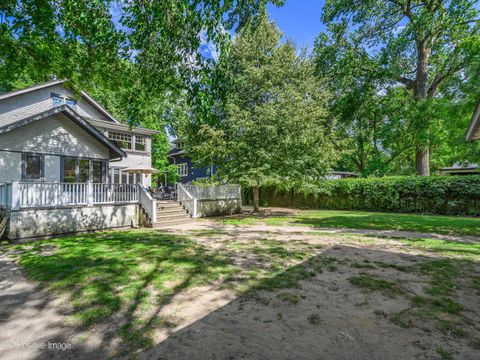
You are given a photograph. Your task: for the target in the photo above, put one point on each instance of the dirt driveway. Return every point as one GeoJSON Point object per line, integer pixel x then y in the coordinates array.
{"type": "Point", "coordinates": [344, 296]}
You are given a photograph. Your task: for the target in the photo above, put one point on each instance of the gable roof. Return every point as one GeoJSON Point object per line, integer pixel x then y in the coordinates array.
{"type": "Point", "coordinates": [115, 151]}
{"type": "Point", "coordinates": [84, 95]}
{"type": "Point", "coordinates": [475, 123]}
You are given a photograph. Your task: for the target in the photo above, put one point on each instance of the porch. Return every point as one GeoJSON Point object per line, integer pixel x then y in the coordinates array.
{"type": "Point", "coordinates": [39, 209]}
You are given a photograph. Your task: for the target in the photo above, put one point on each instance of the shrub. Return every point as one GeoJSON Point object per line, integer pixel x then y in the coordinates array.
{"type": "Point", "coordinates": [454, 195]}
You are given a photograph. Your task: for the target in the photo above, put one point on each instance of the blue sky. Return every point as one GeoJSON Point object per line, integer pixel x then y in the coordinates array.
{"type": "Point", "coordinates": [299, 20]}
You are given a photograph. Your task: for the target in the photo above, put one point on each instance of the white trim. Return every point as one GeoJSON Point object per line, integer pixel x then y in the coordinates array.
{"type": "Point", "coordinates": [182, 169]}
{"type": "Point", "coordinates": [31, 88]}
{"type": "Point", "coordinates": [99, 107]}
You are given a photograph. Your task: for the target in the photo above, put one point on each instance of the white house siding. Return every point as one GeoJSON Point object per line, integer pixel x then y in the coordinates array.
{"type": "Point", "coordinates": [134, 160]}
{"type": "Point", "coordinates": [31, 103]}
{"type": "Point", "coordinates": [10, 165]}
{"type": "Point", "coordinates": [54, 135]}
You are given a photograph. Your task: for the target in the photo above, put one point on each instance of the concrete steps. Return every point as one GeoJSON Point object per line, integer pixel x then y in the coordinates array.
{"type": "Point", "coordinates": [170, 213]}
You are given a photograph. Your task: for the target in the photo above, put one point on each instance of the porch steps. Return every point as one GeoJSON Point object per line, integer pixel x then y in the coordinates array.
{"type": "Point", "coordinates": [170, 213]}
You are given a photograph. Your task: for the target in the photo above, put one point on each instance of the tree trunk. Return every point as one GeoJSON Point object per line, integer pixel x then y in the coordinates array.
{"type": "Point", "coordinates": [422, 156]}
{"type": "Point", "coordinates": [422, 161]}
{"type": "Point", "coordinates": [256, 197]}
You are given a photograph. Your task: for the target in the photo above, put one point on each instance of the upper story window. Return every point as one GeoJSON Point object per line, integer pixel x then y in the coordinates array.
{"type": "Point", "coordinates": [59, 100]}
{"type": "Point", "coordinates": [182, 169]}
{"type": "Point", "coordinates": [139, 143]}
{"type": "Point", "coordinates": [180, 145]}
{"type": "Point", "coordinates": [124, 141]}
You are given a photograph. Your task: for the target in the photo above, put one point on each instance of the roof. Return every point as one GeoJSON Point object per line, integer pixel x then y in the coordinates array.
{"type": "Point", "coordinates": [30, 89]}
{"type": "Point", "coordinates": [175, 149]}
{"type": "Point", "coordinates": [115, 151]}
{"type": "Point", "coordinates": [121, 127]}
{"type": "Point", "coordinates": [84, 95]}
{"type": "Point", "coordinates": [474, 128]}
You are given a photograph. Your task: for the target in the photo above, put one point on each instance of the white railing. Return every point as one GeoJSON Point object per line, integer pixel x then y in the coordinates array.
{"type": "Point", "coordinates": [5, 191]}
{"type": "Point", "coordinates": [187, 200]}
{"type": "Point", "coordinates": [22, 194]}
{"type": "Point", "coordinates": [148, 203]}
{"type": "Point", "coordinates": [115, 193]}
{"type": "Point", "coordinates": [214, 192]}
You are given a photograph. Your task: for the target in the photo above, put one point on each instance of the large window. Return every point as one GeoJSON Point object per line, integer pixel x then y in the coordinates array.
{"type": "Point", "coordinates": [82, 170]}
{"type": "Point", "coordinates": [139, 143]}
{"type": "Point", "coordinates": [33, 166]}
{"type": "Point", "coordinates": [182, 169]}
{"type": "Point", "coordinates": [123, 141]}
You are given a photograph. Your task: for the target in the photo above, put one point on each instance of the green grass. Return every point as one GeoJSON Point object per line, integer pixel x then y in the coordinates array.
{"type": "Point", "coordinates": [368, 220]}
{"type": "Point", "coordinates": [127, 273]}
{"type": "Point", "coordinates": [372, 283]}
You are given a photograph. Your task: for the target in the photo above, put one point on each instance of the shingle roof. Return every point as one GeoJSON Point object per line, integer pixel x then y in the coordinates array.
{"type": "Point", "coordinates": [115, 151]}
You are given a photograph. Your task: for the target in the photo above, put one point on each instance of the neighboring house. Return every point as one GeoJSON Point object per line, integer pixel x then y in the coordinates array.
{"type": "Point", "coordinates": [458, 169]}
{"type": "Point", "coordinates": [473, 132]}
{"type": "Point", "coordinates": [186, 169]}
{"type": "Point", "coordinates": [341, 175]}
{"type": "Point", "coordinates": [68, 165]}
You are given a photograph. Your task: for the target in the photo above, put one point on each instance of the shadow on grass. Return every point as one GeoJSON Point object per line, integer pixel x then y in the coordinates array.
{"type": "Point", "coordinates": [352, 308]}
{"type": "Point", "coordinates": [120, 281]}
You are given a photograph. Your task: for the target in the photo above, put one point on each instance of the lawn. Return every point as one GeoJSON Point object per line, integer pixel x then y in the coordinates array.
{"type": "Point", "coordinates": [304, 284]}
{"type": "Point", "coordinates": [367, 220]}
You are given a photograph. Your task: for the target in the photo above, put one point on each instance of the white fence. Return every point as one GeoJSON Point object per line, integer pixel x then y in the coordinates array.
{"type": "Point", "coordinates": [19, 194]}
{"type": "Point", "coordinates": [148, 203]}
{"type": "Point", "coordinates": [214, 192]}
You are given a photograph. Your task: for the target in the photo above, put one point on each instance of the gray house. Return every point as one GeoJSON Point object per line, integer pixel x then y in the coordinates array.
{"type": "Point", "coordinates": [67, 165]}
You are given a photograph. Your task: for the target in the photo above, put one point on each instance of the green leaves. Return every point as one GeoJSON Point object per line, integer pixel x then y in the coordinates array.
{"type": "Point", "coordinates": [270, 123]}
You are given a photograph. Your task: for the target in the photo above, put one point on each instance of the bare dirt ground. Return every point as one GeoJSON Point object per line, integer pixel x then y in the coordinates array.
{"type": "Point", "coordinates": [348, 295]}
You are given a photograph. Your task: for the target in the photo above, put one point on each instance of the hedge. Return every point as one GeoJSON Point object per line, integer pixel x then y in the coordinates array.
{"type": "Point", "coordinates": [453, 195]}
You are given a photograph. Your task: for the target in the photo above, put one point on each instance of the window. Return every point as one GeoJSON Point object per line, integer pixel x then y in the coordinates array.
{"type": "Point", "coordinates": [59, 100]}
{"type": "Point", "coordinates": [182, 169]}
{"type": "Point", "coordinates": [131, 178]}
{"type": "Point", "coordinates": [69, 172]}
{"type": "Point", "coordinates": [123, 141]}
{"type": "Point", "coordinates": [180, 145]}
{"type": "Point", "coordinates": [32, 167]}
{"type": "Point", "coordinates": [116, 176]}
{"type": "Point", "coordinates": [97, 171]}
{"type": "Point", "coordinates": [124, 177]}
{"type": "Point", "coordinates": [139, 143]}
{"type": "Point", "coordinates": [82, 170]}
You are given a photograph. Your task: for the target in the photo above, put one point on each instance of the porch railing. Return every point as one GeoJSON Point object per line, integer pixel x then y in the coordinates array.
{"type": "Point", "coordinates": [187, 200]}
{"type": "Point", "coordinates": [148, 203]}
{"type": "Point", "coordinates": [19, 194]}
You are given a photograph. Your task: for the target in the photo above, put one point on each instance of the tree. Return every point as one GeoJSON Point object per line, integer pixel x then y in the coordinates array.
{"type": "Point", "coordinates": [270, 125]}
{"type": "Point", "coordinates": [418, 44]}
{"type": "Point", "coordinates": [136, 57]}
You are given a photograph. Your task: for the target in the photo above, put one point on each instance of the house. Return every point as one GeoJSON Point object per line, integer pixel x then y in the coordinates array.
{"type": "Point", "coordinates": [186, 168]}
{"type": "Point", "coordinates": [473, 132]}
{"type": "Point", "coordinates": [67, 165]}
{"type": "Point", "coordinates": [458, 169]}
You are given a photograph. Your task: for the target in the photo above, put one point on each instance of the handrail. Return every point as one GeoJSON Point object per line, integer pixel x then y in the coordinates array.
{"type": "Point", "coordinates": [148, 203]}
{"type": "Point", "coordinates": [187, 200]}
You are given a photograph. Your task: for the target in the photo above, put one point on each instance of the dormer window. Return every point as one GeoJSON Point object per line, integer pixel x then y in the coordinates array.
{"type": "Point", "coordinates": [59, 100]}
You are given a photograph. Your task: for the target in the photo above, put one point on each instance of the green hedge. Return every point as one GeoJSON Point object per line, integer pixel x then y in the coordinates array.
{"type": "Point", "coordinates": [454, 195]}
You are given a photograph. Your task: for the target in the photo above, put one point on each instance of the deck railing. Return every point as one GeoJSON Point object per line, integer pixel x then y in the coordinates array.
{"type": "Point", "coordinates": [187, 200]}
{"type": "Point", "coordinates": [21, 194]}
{"type": "Point", "coordinates": [214, 192]}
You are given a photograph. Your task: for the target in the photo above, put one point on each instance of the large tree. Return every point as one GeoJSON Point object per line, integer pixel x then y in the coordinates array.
{"type": "Point", "coordinates": [418, 44]}
{"type": "Point", "coordinates": [270, 123]}
{"type": "Point", "coordinates": [136, 57]}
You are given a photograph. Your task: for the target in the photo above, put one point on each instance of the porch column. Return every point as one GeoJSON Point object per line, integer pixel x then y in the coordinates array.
{"type": "Point", "coordinates": [15, 196]}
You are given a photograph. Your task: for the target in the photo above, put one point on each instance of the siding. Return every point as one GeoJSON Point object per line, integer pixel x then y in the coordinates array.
{"type": "Point", "coordinates": [10, 166]}
{"type": "Point", "coordinates": [194, 173]}
{"type": "Point", "coordinates": [28, 104]}
{"type": "Point", "coordinates": [54, 135]}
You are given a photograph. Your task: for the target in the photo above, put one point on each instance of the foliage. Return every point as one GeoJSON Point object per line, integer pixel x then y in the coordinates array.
{"type": "Point", "coordinates": [270, 122]}
{"type": "Point", "coordinates": [136, 57]}
{"type": "Point", "coordinates": [375, 46]}
{"type": "Point", "coordinates": [436, 194]}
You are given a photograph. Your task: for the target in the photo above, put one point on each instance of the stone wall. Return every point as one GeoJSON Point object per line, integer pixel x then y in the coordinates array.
{"type": "Point", "coordinates": [31, 223]}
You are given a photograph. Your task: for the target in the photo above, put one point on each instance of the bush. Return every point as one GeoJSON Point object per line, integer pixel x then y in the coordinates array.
{"type": "Point", "coordinates": [454, 195]}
